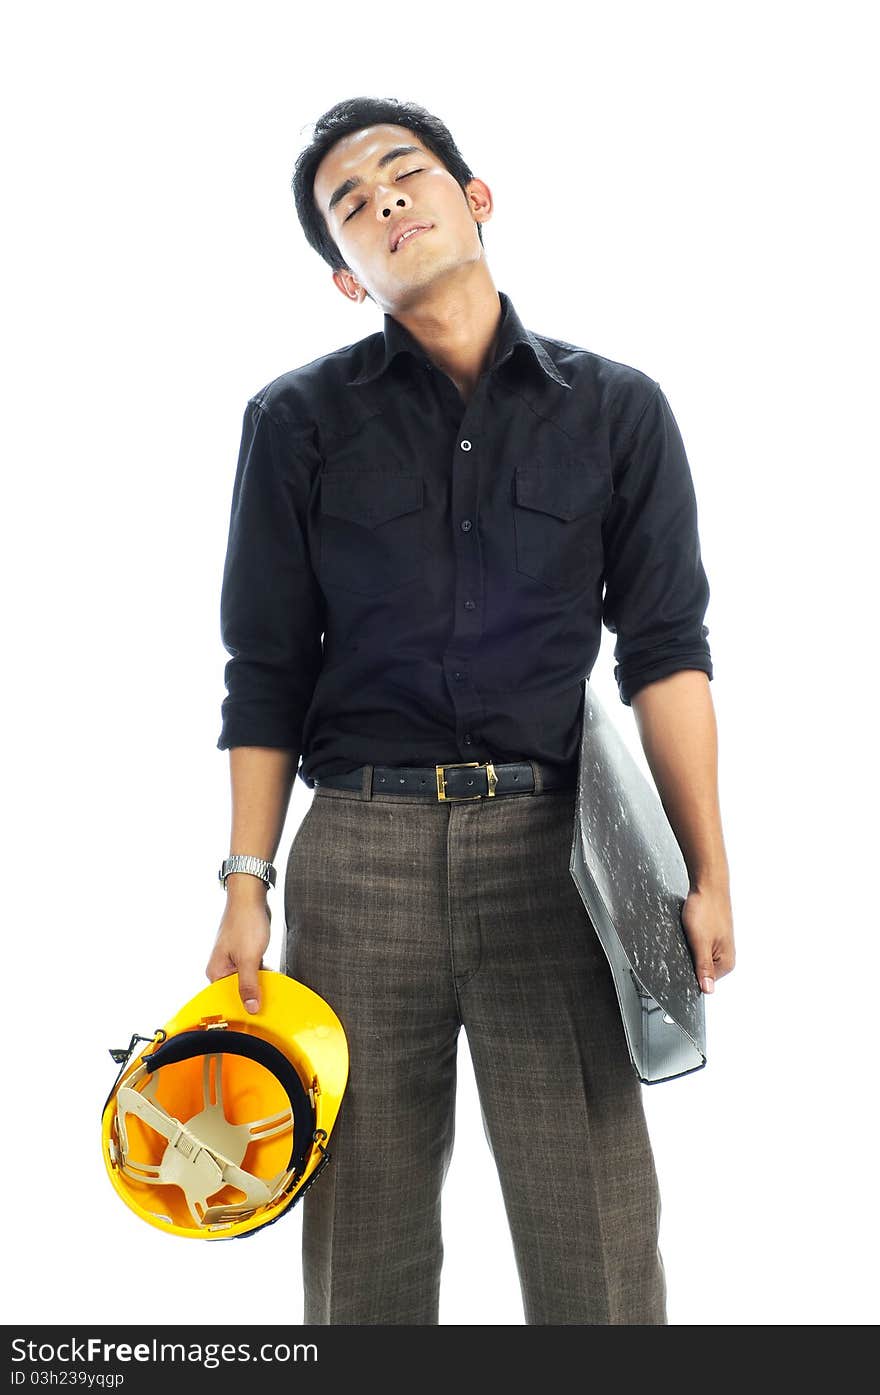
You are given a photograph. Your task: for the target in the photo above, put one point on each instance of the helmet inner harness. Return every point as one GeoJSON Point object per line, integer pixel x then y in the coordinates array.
{"type": "Point", "coordinates": [218, 1124]}
{"type": "Point", "coordinates": [203, 1154]}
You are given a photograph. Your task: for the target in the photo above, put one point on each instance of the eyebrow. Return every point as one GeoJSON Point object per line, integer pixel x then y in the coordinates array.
{"type": "Point", "coordinates": [383, 160]}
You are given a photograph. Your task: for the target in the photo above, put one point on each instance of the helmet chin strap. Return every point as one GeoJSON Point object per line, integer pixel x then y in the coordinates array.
{"type": "Point", "coordinates": [204, 1154]}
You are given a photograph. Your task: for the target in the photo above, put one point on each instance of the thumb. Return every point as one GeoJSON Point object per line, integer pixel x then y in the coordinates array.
{"type": "Point", "coordinates": [706, 975]}
{"type": "Point", "coordinates": [249, 987]}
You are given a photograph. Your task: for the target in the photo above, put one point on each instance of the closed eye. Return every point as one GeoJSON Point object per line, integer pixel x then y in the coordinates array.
{"type": "Point", "coordinates": [399, 177]}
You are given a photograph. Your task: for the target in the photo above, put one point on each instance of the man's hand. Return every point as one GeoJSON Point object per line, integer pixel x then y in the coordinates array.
{"type": "Point", "coordinates": [676, 722]}
{"type": "Point", "coordinates": [707, 920]}
{"type": "Point", "coordinates": [242, 940]}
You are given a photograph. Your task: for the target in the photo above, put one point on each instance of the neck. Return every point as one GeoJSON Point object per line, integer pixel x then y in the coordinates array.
{"type": "Point", "coordinates": [458, 327]}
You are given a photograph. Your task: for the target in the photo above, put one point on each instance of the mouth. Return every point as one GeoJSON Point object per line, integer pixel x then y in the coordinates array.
{"type": "Point", "coordinates": [411, 235]}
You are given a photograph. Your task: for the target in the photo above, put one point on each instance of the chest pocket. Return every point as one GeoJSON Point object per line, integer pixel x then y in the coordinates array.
{"type": "Point", "coordinates": [557, 520]}
{"type": "Point", "coordinates": [371, 530]}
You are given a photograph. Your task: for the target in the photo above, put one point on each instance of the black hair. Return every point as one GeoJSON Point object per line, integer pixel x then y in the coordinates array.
{"type": "Point", "coordinates": [352, 115]}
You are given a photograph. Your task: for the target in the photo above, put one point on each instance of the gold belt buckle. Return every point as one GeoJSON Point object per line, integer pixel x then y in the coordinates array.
{"type": "Point", "coordinates": [491, 777]}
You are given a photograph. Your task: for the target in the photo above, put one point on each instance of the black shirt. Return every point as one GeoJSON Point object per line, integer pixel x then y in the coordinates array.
{"type": "Point", "coordinates": [411, 579]}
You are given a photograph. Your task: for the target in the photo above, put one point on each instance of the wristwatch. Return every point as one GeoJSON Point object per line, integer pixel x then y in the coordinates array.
{"type": "Point", "coordinates": [244, 862]}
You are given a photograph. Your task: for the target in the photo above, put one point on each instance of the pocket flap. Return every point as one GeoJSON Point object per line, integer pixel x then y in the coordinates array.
{"type": "Point", "coordinates": [564, 491]}
{"type": "Point", "coordinates": [370, 497]}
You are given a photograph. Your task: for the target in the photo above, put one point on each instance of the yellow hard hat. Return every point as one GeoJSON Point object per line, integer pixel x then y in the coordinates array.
{"type": "Point", "coordinates": [221, 1121]}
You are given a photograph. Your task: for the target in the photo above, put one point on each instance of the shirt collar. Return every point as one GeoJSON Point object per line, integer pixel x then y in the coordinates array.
{"type": "Point", "coordinates": [396, 339]}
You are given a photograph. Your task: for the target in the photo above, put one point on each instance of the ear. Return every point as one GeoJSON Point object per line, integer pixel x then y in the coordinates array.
{"type": "Point", "coordinates": [349, 285]}
{"type": "Point", "coordinates": [479, 197]}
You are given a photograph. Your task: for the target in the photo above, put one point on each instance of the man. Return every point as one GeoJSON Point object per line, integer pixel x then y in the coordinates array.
{"type": "Point", "coordinates": [429, 527]}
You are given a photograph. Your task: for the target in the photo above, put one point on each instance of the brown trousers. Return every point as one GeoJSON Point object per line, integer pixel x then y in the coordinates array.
{"type": "Point", "coordinates": [416, 918]}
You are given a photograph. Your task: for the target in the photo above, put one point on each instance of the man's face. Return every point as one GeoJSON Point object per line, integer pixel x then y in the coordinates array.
{"type": "Point", "coordinates": [378, 179]}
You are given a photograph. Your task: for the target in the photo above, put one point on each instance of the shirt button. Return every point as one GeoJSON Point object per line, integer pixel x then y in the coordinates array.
{"type": "Point", "coordinates": [465, 445]}
{"type": "Point", "coordinates": [468, 739]}
{"type": "Point", "coordinates": [458, 676]}
{"type": "Point", "coordinates": [470, 605]}
{"type": "Point", "coordinates": [466, 525]}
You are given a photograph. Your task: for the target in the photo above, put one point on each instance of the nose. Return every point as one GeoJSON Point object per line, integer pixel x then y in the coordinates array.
{"type": "Point", "coordinates": [386, 204]}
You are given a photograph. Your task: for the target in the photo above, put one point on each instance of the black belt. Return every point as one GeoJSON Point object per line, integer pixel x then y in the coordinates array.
{"type": "Point", "coordinates": [464, 780]}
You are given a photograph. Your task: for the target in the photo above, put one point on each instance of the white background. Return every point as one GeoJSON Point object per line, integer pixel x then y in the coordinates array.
{"type": "Point", "coordinates": [683, 187]}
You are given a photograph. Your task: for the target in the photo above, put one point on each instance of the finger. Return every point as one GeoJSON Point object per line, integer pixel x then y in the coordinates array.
{"type": "Point", "coordinates": [249, 986]}
{"type": "Point", "coordinates": [703, 956]}
{"type": "Point", "coordinates": [218, 968]}
{"type": "Point", "coordinates": [706, 975]}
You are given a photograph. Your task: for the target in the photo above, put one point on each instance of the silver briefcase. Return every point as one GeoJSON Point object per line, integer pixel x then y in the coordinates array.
{"type": "Point", "coordinates": [633, 880]}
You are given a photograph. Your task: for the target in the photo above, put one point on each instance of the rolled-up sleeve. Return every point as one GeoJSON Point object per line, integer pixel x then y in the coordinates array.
{"type": "Point", "coordinates": [656, 590]}
{"type": "Point", "coordinates": [271, 612]}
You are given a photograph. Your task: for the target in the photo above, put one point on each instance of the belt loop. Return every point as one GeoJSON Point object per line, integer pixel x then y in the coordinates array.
{"type": "Point", "coordinates": [538, 777]}
{"type": "Point", "coordinates": [367, 783]}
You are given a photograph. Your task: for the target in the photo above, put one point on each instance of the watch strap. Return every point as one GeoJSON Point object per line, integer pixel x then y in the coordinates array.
{"type": "Point", "coordinates": [245, 862]}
